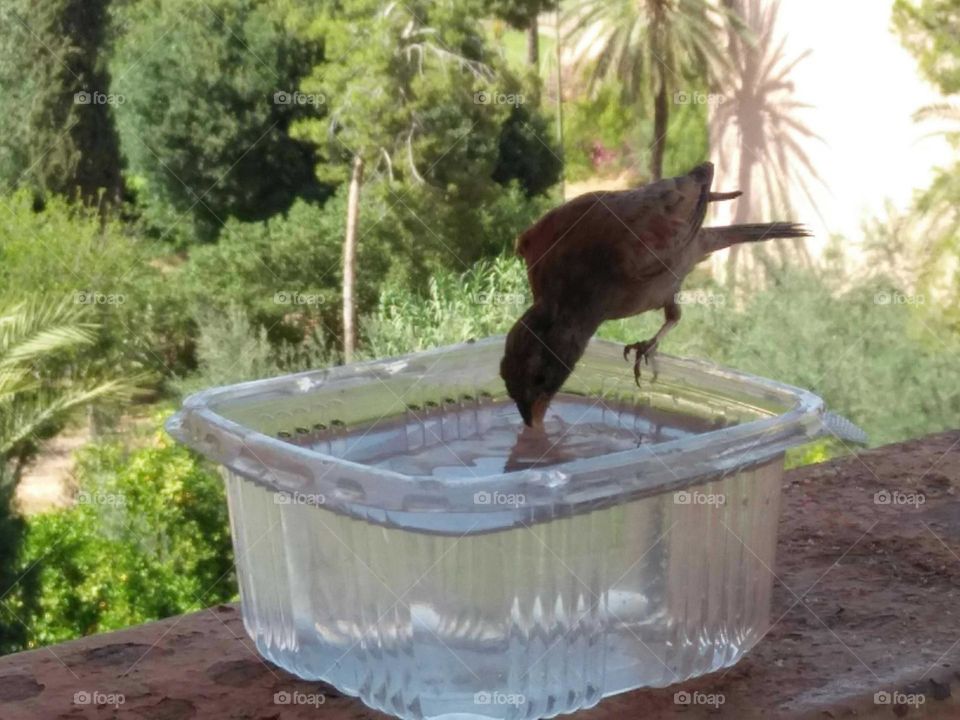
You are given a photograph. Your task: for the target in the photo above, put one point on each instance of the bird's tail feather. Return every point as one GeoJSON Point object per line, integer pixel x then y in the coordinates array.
{"type": "Point", "coordinates": [718, 238]}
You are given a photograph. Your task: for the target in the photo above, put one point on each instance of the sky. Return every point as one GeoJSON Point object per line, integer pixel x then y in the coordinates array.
{"type": "Point", "coordinates": [865, 88]}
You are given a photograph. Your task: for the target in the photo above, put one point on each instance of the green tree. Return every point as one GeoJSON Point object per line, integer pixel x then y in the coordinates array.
{"type": "Point", "coordinates": [522, 15]}
{"type": "Point", "coordinates": [656, 48]}
{"type": "Point", "coordinates": [57, 131]}
{"type": "Point", "coordinates": [203, 125]}
{"type": "Point", "coordinates": [414, 103]}
{"type": "Point", "coordinates": [927, 29]}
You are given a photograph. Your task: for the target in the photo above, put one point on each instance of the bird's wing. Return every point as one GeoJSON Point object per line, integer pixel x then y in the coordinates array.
{"type": "Point", "coordinates": [637, 232]}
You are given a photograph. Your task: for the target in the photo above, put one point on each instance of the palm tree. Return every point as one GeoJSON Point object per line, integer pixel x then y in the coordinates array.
{"type": "Point", "coordinates": [757, 129]}
{"type": "Point", "coordinates": [42, 378]}
{"type": "Point", "coordinates": [651, 47]}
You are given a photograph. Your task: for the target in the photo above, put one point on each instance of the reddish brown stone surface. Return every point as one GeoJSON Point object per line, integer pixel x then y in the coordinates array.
{"type": "Point", "coordinates": [866, 602]}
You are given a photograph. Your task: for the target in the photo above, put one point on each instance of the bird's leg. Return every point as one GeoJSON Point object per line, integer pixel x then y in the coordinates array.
{"type": "Point", "coordinates": [644, 349]}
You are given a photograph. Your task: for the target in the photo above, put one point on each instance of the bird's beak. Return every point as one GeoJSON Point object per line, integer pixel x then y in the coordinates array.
{"type": "Point", "coordinates": [533, 414]}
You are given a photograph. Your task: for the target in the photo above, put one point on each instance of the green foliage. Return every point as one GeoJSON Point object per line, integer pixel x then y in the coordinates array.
{"type": "Point", "coordinates": [44, 373]}
{"type": "Point", "coordinates": [12, 633]}
{"type": "Point", "coordinates": [67, 252]}
{"type": "Point", "coordinates": [413, 89]}
{"type": "Point", "coordinates": [927, 29]}
{"type": "Point", "coordinates": [519, 13]}
{"type": "Point", "coordinates": [888, 366]}
{"type": "Point", "coordinates": [605, 135]}
{"type": "Point", "coordinates": [484, 301]}
{"type": "Point", "coordinates": [285, 273]}
{"type": "Point", "coordinates": [148, 538]}
{"type": "Point", "coordinates": [203, 125]}
{"type": "Point", "coordinates": [527, 153]}
{"type": "Point", "coordinates": [50, 50]}
{"type": "Point", "coordinates": [231, 349]}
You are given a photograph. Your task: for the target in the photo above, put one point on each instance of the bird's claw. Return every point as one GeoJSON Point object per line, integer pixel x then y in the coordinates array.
{"type": "Point", "coordinates": [643, 349]}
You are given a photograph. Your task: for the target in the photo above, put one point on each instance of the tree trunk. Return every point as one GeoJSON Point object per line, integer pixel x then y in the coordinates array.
{"type": "Point", "coordinates": [533, 42]}
{"type": "Point", "coordinates": [661, 115]}
{"type": "Point", "coordinates": [350, 261]}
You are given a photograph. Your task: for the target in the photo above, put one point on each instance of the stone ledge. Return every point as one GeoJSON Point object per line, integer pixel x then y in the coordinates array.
{"type": "Point", "coordinates": [867, 600]}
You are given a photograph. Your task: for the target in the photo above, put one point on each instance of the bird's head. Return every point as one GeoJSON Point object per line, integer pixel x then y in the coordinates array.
{"type": "Point", "coordinates": [540, 354]}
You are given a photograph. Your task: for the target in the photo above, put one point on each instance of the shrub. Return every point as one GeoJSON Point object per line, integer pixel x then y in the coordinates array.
{"type": "Point", "coordinates": [888, 366]}
{"type": "Point", "coordinates": [148, 538]}
{"type": "Point", "coordinates": [68, 252]}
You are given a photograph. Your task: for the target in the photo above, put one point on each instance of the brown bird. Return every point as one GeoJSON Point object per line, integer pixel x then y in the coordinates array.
{"type": "Point", "coordinates": [608, 255]}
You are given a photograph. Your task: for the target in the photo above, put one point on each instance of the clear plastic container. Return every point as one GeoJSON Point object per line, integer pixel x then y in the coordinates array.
{"type": "Point", "coordinates": [390, 542]}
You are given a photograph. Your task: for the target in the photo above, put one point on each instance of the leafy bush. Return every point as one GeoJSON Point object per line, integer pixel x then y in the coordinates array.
{"type": "Point", "coordinates": [888, 366]}
{"type": "Point", "coordinates": [231, 349]}
{"type": "Point", "coordinates": [67, 252]}
{"type": "Point", "coordinates": [148, 538]}
{"type": "Point", "coordinates": [486, 300]}
{"type": "Point", "coordinates": [285, 273]}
